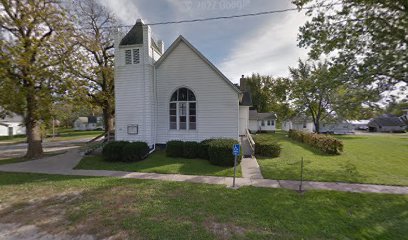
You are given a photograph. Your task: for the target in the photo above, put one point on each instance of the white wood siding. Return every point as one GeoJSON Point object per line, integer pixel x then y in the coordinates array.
{"type": "Point", "coordinates": [129, 97]}
{"type": "Point", "coordinates": [243, 119]}
{"type": "Point", "coordinates": [217, 102]}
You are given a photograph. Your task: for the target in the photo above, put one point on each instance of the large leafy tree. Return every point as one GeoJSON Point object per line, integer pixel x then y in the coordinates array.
{"type": "Point", "coordinates": [34, 45]}
{"type": "Point", "coordinates": [323, 91]}
{"type": "Point", "coordinates": [270, 94]}
{"type": "Point", "coordinates": [95, 35]}
{"type": "Point", "coordinates": [370, 37]}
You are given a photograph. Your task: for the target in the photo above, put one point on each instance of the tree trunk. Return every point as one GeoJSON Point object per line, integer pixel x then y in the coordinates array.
{"type": "Point", "coordinates": [317, 126]}
{"type": "Point", "coordinates": [108, 119]}
{"type": "Point", "coordinates": [33, 130]}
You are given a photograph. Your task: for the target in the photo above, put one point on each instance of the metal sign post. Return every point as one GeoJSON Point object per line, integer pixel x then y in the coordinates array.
{"type": "Point", "coordinates": [235, 151]}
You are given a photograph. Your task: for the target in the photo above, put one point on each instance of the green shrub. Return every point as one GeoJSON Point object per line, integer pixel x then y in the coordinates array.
{"type": "Point", "coordinates": [324, 143]}
{"type": "Point", "coordinates": [220, 152]}
{"type": "Point", "coordinates": [267, 149]}
{"type": "Point", "coordinates": [175, 148]}
{"type": "Point", "coordinates": [134, 151]}
{"type": "Point", "coordinates": [112, 151]}
{"type": "Point", "coordinates": [191, 149]}
{"type": "Point", "coordinates": [204, 145]}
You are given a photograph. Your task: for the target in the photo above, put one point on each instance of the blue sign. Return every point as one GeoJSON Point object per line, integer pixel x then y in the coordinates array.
{"type": "Point", "coordinates": [236, 149]}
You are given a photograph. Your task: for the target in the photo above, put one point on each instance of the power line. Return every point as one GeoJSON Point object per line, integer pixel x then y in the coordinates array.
{"type": "Point", "coordinates": [233, 16]}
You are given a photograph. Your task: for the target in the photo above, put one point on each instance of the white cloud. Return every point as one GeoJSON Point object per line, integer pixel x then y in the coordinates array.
{"type": "Point", "coordinates": [125, 10]}
{"type": "Point", "coordinates": [270, 49]}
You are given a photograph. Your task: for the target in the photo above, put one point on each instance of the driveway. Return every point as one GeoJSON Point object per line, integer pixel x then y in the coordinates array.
{"type": "Point", "coordinates": [19, 150]}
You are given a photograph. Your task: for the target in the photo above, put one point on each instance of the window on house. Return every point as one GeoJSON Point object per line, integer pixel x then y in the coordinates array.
{"type": "Point", "coordinates": [183, 110]}
{"type": "Point", "coordinates": [272, 123]}
{"type": "Point", "coordinates": [132, 56]}
{"type": "Point", "coordinates": [262, 123]}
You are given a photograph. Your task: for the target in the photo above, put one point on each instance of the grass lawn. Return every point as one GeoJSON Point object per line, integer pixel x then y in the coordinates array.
{"type": "Point", "coordinates": [62, 135]}
{"type": "Point", "coordinates": [147, 209]}
{"type": "Point", "coordinates": [377, 159]}
{"type": "Point", "coordinates": [70, 134]}
{"type": "Point", "coordinates": [158, 162]}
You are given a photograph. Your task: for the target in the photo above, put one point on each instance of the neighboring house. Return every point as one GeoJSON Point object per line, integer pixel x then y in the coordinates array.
{"type": "Point", "coordinates": [88, 123]}
{"type": "Point", "coordinates": [262, 122]}
{"type": "Point", "coordinates": [404, 117]}
{"type": "Point", "coordinates": [359, 124]}
{"type": "Point", "coordinates": [303, 123]}
{"type": "Point", "coordinates": [300, 123]}
{"type": "Point", "coordinates": [337, 128]}
{"type": "Point", "coordinates": [11, 125]}
{"type": "Point", "coordinates": [173, 94]}
{"type": "Point", "coordinates": [386, 123]}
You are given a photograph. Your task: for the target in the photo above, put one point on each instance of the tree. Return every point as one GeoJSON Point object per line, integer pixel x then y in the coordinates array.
{"type": "Point", "coordinates": [96, 70]}
{"type": "Point", "coordinates": [370, 37]}
{"type": "Point", "coordinates": [270, 94]}
{"type": "Point", "coordinates": [324, 91]}
{"type": "Point", "coordinates": [34, 45]}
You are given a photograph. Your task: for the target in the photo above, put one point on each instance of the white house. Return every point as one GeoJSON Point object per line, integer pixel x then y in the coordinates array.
{"type": "Point", "coordinates": [174, 94]}
{"type": "Point", "coordinates": [360, 124]}
{"type": "Point", "coordinates": [262, 122]}
{"type": "Point", "coordinates": [300, 123]}
{"type": "Point", "coordinates": [337, 128]}
{"type": "Point", "coordinates": [88, 123]}
{"type": "Point", "coordinates": [12, 125]}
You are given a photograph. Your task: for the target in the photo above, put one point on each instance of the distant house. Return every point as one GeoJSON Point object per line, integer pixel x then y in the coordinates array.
{"type": "Point", "coordinates": [300, 123]}
{"type": "Point", "coordinates": [404, 117]}
{"type": "Point", "coordinates": [386, 123]}
{"type": "Point", "coordinates": [88, 123]}
{"type": "Point", "coordinates": [262, 122]}
{"type": "Point", "coordinates": [11, 125]}
{"type": "Point", "coordinates": [337, 128]}
{"type": "Point", "coordinates": [303, 123]}
{"type": "Point", "coordinates": [359, 124]}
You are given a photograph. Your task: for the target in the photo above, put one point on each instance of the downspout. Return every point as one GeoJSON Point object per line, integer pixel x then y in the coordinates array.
{"type": "Point", "coordinates": [155, 105]}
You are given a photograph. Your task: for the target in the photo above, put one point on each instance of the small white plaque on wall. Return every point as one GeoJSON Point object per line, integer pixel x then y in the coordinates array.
{"type": "Point", "coordinates": [133, 129]}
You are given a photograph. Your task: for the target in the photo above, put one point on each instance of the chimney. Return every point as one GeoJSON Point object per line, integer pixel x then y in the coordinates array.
{"type": "Point", "coordinates": [242, 83]}
{"type": "Point", "coordinates": [160, 44]}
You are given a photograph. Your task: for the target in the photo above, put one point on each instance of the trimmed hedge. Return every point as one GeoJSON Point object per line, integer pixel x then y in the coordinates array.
{"type": "Point", "coordinates": [324, 143]}
{"type": "Point", "coordinates": [191, 149]}
{"type": "Point", "coordinates": [267, 149]}
{"type": "Point", "coordinates": [204, 145]}
{"type": "Point", "coordinates": [220, 152]}
{"type": "Point", "coordinates": [112, 151]}
{"type": "Point", "coordinates": [135, 151]}
{"type": "Point", "coordinates": [175, 148]}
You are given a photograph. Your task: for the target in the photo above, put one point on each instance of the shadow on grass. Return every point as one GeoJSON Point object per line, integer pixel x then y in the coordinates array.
{"type": "Point", "coordinates": [153, 209]}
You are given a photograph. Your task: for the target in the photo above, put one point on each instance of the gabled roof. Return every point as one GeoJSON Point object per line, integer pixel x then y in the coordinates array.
{"type": "Point", "coordinates": [388, 121]}
{"type": "Point", "coordinates": [199, 54]}
{"type": "Point", "coordinates": [246, 99]}
{"type": "Point", "coordinates": [134, 36]}
{"type": "Point", "coordinates": [255, 115]}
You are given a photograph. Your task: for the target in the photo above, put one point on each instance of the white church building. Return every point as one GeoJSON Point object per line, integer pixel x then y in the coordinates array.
{"type": "Point", "coordinates": [176, 94]}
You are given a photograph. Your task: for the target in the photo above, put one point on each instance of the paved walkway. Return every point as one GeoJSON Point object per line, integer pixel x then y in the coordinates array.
{"type": "Point", "coordinates": [250, 168]}
{"type": "Point", "coordinates": [64, 164]}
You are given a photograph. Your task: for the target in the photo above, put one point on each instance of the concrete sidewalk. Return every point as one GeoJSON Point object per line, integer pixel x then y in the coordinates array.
{"type": "Point", "coordinates": [64, 164]}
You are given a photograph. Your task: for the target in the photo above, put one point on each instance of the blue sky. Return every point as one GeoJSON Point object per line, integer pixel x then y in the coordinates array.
{"type": "Point", "coordinates": [264, 44]}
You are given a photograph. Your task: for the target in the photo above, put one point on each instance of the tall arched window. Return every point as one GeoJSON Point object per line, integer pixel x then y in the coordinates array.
{"type": "Point", "coordinates": [183, 110]}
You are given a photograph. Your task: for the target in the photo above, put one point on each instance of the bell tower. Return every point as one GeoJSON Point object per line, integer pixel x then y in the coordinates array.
{"type": "Point", "coordinates": [135, 55]}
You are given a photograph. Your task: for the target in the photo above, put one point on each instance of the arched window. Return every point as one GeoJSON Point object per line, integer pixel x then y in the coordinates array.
{"type": "Point", "coordinates": [183, 110]}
